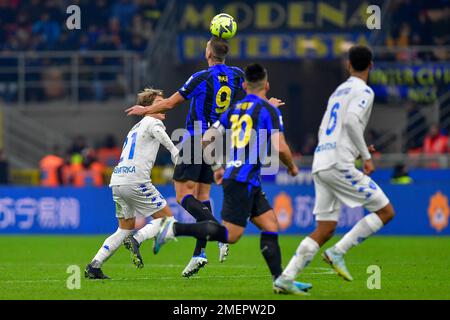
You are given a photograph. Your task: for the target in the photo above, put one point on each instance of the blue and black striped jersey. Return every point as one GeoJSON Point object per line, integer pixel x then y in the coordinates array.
{"type": "Point", "coordinates": [252, 122]}
{"type": "Point", "coordinates": [211, 92]}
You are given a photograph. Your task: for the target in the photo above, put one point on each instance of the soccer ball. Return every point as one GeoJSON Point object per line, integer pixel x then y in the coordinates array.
{"type": "Point", "coordinates": [223, 26]}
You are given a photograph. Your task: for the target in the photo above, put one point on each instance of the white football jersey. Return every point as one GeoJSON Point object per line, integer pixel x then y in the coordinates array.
{"type": "Point", "coordinates": [335, 146]}
{"type": "Point", "coordinates": [138, 154]}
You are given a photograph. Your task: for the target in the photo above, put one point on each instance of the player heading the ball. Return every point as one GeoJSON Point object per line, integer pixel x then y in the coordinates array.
{"type": "Point", "coordinates": [244, 198]}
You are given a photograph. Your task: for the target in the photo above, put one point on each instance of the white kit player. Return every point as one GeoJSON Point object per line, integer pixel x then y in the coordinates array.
{"type": "Point", "coordinates": [336, 179]}
{"type": "Point", "coordinates": [132, 189]}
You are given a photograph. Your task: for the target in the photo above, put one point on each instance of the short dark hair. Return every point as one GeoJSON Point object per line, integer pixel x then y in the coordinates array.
{"type": "Point", "coordinates": [360, 57]}
{"type": "Point", "coordinates": [255, 76]}
{"type": "Point", "coordinates": [219, 48]}
{"type": "Point", "coordinates": [255, 72]}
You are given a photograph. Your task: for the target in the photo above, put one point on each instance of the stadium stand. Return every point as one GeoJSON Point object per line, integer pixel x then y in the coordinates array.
{"type": "Point", "coordinates": [54, 81]}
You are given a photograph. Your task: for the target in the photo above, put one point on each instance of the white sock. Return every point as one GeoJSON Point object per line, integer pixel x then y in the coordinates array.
{"type": "Point", "coordinates": [360, 232]}
{"type": "Point", "coordinates": [303, 256]}
{"type": "Point", "coordinates": [111, 244]}
{"type": "Point", "coordinates": [148, 231]}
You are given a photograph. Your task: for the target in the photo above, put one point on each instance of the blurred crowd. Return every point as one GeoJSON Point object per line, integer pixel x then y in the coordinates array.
{"type": "Point", "coordinates": [106, 24]}
{"type": "Point", "coordinates": [82, 165]}
{"type": "Point", "coordinates": [435, 141]}
{"type": "Point", "coordinates": [418, 23]}
{"type": "Point", "coordinates": [40, 25]}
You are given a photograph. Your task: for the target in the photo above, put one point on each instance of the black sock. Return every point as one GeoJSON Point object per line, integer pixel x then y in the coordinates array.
{"type": "Point", "coordinates": [201, 211]}
{"type": "Point", "coordinates": [208, 204]}
{"type": "Point", "coordinates": [200, 245]}
{"type": "Point", "coordinates": [271, 252]}
{"type": "Point", "coordinates": [205, 230]}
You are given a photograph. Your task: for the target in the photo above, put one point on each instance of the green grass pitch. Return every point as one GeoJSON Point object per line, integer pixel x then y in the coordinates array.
{"type": "Point", "coordinates": [34, 267]}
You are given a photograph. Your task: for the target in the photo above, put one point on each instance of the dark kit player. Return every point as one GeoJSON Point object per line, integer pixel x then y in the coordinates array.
{"type": "Point", "coordinates": [211, 92]}
{"type": "Point", "coordinates": [241, 179]}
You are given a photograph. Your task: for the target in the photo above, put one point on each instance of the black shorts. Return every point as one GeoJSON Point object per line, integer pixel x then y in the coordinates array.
{"type": "Point", "coordinates": [195, 169]}
{"type": "Point", "coordinates": [242, 201]}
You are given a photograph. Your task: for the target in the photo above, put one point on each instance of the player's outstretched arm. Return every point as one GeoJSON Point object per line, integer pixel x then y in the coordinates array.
{"type": "Point", "coordinates": [161, 135]}
{"type": "Point", "coordinates": [158, 107]}
{"type": "Point", "coordinates": [285, 153]}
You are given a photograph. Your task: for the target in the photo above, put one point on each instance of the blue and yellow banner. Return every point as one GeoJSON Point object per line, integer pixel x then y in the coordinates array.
{"type": "Point", "coordinates": [277, 29]}
{"type": "Point", "coordinates": [274, 45]}
{"type": "Point", "coordinates": [275, 16]}
{"type": "Point", "coordinates": [422, 83]}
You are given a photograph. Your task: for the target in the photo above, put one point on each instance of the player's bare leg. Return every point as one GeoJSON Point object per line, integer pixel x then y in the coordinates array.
{"type": "Point", "coordinates": [367, 226]}
{"type": "Point", "coordinates": [111, 244]}
{"type": "Point", "coordinates": [234, 232]}
{"type": "Point", "coordinates": [149, 231]}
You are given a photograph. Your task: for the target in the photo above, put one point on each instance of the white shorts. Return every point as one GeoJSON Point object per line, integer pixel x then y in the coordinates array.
{"type": "Point", "coordinates": [349, 186]}
{"type": "Point", "coordinates": [142, 199]}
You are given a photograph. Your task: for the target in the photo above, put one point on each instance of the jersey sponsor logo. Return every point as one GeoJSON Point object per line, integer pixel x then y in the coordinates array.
{"type": "Point", "coordinates": [124, 169]}
{"type": "Point", "coordinates": [438, 211]}
{"type": "Point", "coordinates": [234, 163]}
{"type": "Point", "coordinates": [325, 147]}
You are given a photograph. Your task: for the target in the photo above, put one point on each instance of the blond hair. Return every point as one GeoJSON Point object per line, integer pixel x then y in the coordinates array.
{"type": "Point", "coordinates": [147, 96]}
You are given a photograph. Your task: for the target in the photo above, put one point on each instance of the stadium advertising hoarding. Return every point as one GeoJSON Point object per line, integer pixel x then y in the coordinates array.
{"type": "Point", "coordinates": [422, 83]}
{"type": "Point", "coordinates": [274, 45]}
{"type": "Point", "coordinates": [304, 177]}
{"type": "Point", "coordinates": [278, 30]}
{"type": "Point", "coordinates": [26, 210]}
